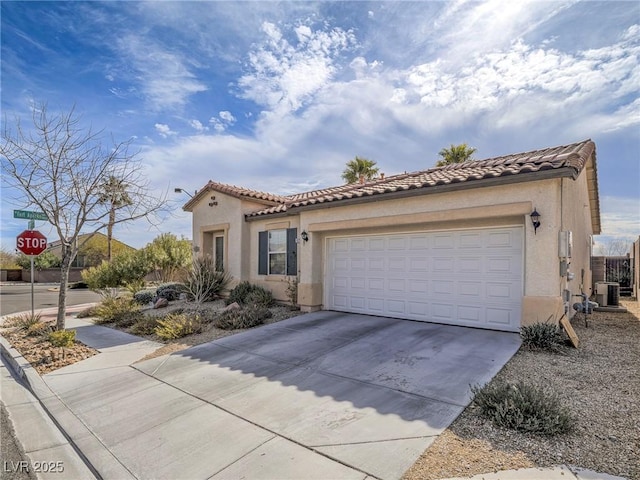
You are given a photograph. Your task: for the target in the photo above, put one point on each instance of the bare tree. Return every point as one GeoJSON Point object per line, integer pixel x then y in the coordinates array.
{"type": "Point", "coordinates": [62, 169]}
{"type": "Point", "coordinates": [615, 247]}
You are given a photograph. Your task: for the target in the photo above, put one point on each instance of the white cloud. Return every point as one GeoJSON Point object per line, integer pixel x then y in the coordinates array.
{"type": "Point", "coordinates": [164, 130]}
{"type": "Point", "coordinates": [284, 76]}
{"type": "Point", "coordinates": [164, 77]}
{"type": "Point", "coordinates": [198, 126]}
{"type": "Point", "coordinates": [223, 121]}
{"type": "Point", "coordinates": [227, 117]}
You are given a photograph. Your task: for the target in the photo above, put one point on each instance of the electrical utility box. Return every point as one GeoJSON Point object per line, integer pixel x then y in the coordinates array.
{"type": "Point", "coordinates": [565, 244]}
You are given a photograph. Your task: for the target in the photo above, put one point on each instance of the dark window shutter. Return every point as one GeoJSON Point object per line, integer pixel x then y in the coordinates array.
{"type": "Point", "coordinates": [263, 253]}
{"type": "Point", "coordinates": [292, 251]}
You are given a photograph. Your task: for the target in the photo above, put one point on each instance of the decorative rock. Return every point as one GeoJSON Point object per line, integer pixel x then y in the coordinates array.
{"type": "Point", "coordinates": [161, 303]}
{"type": "Point", "coordinates": [231, 307]}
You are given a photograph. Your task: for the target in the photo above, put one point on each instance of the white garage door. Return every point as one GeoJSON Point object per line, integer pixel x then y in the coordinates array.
{"type": "Point", "coordinates": [468, 277]}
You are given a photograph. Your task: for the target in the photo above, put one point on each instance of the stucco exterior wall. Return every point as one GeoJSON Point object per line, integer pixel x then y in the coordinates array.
{"type": "Point", "coordinates": [225, 217]}
{"type": "Point", "coordinates": [576, 217]}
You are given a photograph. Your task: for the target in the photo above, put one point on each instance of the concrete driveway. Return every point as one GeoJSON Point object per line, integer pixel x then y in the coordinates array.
{"type": "Point", "coordinates": [323, 395]}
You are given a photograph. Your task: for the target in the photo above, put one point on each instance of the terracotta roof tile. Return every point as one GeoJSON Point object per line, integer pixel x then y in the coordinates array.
{"type": "Point", "coordinates": [572, 156]}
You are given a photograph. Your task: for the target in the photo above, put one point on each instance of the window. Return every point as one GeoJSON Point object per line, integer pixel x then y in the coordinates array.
{"type": "Point", "coordinates": [278, 252]}
{"type": "Point", "coordinates": [218, 252]}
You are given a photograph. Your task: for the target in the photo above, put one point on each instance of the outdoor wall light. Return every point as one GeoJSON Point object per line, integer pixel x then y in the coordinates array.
{"type": "Point", "coordinates": [182, 190]}
{"type": "Point", "coordinates": [535, 219]}
{"type": "Point", "coordinates": [304, 236]}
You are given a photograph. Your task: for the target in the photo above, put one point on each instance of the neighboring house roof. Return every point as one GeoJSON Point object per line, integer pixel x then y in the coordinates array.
{"type": "Point", "coordinates": [561, 161]}
{"type": "Point", "coordinates": [84, 237]}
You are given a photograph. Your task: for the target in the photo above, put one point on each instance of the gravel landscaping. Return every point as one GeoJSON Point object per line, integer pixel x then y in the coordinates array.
{"type": "Point", "coordinates": [600, 384]}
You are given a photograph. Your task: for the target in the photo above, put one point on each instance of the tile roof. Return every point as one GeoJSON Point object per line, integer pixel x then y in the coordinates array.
{"type": "Point", "coordinates": [567, 158]}
{"type": "Point", "coordinates": [572, 157]}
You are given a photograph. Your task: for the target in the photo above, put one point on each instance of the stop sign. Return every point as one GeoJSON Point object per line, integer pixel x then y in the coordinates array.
{"type": "Point", "coordinates": [31, 242]}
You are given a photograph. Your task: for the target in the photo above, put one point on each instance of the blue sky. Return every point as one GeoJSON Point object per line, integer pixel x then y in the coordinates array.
{"type": "Point", "coordinates": [278, 96]}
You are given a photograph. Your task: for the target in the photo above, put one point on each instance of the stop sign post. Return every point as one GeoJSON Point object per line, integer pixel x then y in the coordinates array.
{"type": "Point", "coordinates": [32, 243]}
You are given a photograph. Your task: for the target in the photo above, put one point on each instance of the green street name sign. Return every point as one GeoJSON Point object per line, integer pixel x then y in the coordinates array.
{"type": "Point", "coordinates": [29, 215]}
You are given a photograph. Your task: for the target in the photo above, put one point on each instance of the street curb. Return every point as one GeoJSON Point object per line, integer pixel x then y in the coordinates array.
{"type": "Point", "coordinates": [79, 436]}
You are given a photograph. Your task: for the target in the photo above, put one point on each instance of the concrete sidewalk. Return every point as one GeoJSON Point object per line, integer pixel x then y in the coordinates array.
{"type": "Point", "coordinates": [152, 420]}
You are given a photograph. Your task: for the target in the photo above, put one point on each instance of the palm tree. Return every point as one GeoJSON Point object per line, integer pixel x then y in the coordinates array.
{"type": "Point", "coordinates": [455, 154]}
{"type": "Point", "coordinates": [359, 167]}
{"type": "Point", "coordinates": [113, 193]}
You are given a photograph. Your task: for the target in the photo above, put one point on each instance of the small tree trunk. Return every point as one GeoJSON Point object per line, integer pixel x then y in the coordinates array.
{"type": "Point", "coordinates": [67, 258]}
{"type": "Point", "coordinates": [112, 220]}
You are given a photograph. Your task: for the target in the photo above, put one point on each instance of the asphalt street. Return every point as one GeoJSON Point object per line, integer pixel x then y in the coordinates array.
{"type": "Point", "coordinates": [17, 297]}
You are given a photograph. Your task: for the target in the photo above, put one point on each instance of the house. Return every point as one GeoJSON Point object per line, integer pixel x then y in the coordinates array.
{"type": "Point", "coordinates": [92, 249]}
{"type": "Point", "coordinates": [455, 244]}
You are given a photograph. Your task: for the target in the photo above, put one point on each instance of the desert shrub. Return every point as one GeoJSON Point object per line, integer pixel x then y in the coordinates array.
{"type": "Point", "coordinates": [247, 317]}
{"type": "Point", "coordinates": [135, 285]}
{"type": "Point", "coordinates": [523, 407]}
{"type": "Point", "coordinates": [203, 282]}
{"type": "Point", "coordinates": [145, 325]}
{"type": "Point", "coordinates": [24, 321]}
{"type": "Point", "coordinates": [245, 293]}
{"type": "Point", "coordinates": [542, 336]}
{"type": "Point", "coordinates": [143, 297]}
{"type": "Point", "coordinates": [120, 310]}
{"type": "Point", "coordinates": [62, 338]}
{"type": "Point", "coordinates": [178, 325]}
{"type": "Point", "coordinates": [292, 292]}
{"type": "Point", "coordinates": [171, 291]}
{"type": "Point", "coordinates": [260, 296]}
{"type": "Point", "coordinates": [38, 329]}
{"type": "Point", "coordinates": [87, 312]}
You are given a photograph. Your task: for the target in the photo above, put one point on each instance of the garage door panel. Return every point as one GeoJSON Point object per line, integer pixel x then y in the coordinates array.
{"type": "Point", "coordinates": [396, 307]}
{"type": "Point", "coordinates": [443, 264]}
{"type": "Point", "coordinates": [418, 243]}
{"type": "Point", "coordinates": [376, 264]}
{"type": "Point", "coordinates": [443, 311]}
{"type": "Point", "coordinates": [418, 287]}
{"type": "Point", "coordinates": [468, 278]}
{"type": "Point", "coordinates": [419, 264]}
{"type": "Point", "coordinates": [469, 313]}
{"type": "Point", "coordinates": [443, 241]}
{"type": "Point", "coordinates": [470, 240]}
{"type": "Point", "coordinates": [469, 265]}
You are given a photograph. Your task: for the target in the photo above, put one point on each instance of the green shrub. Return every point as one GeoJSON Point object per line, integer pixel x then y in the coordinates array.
{"type": "Point", "coordinates": [135, 285]}
{"type": "Point", "coordinates": [247, 317]}
{"type": "Point", "coordinates": [146, 325]}
{"type": "Point", "coordinates": [62, 338]}
{"type": "Point", "coordinates": [203, 282]}
{"type": "Point", "coordinates": [245, 293]}
{"type": "Point", "coordinates": [118, 310]}
{"type": "Point", "coordinates": [523, 407]}
{"type": "Point", "coordinates": [143, 297]}
{"type": "Point", "coordinates": [542, 336]}
{"type": "Point", "coordinates": [178, 325]}
{"type": "Point", "coordinates": [171, 291]}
